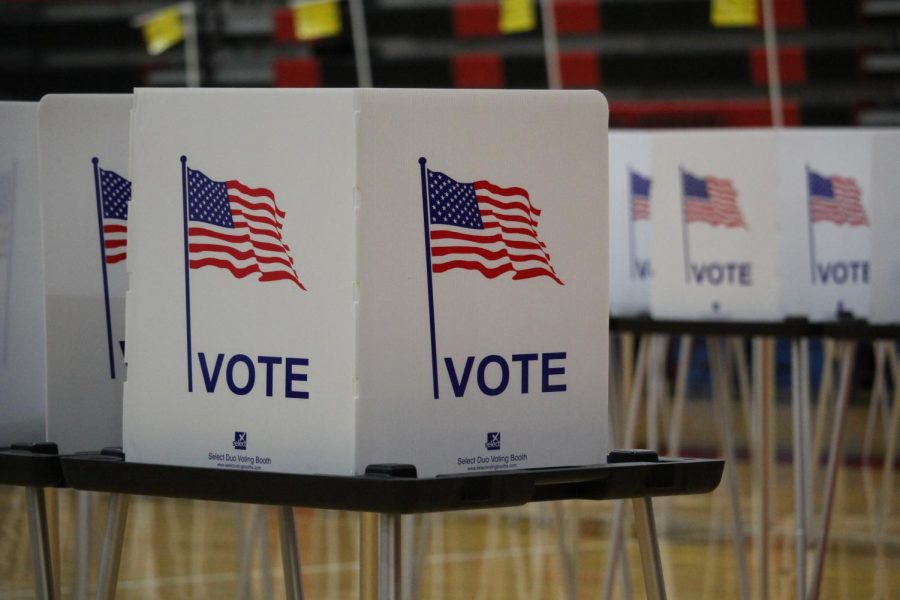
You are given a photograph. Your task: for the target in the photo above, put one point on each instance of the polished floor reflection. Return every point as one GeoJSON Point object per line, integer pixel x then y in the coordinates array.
{"type": "Point", "coordinates": [183, 549]}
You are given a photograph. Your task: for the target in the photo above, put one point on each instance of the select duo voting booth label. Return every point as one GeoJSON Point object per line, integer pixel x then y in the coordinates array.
{"type": "Point", "coordinates": [322, 280]}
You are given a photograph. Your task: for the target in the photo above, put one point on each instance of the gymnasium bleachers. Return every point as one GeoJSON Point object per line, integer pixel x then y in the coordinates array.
{"type": "Point", "coordinates": [660, 62]}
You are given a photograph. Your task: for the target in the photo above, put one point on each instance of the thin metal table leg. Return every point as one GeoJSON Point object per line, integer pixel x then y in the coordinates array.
{"type": "Point", "coordinates": [626, 438]}
{"type": "Point", "coordinates": [408, 561]}
{"type": "Point", "coordinates": [40, 543]}
{"type": "Point", "coordinates": [84, 502]}
{"type": "Point", "coordinates": [834, 455]}
{"type": "Point", "coordinates": [368, 556]}
{"type": "Point", "coordinates": [568, 551]}
{"type": "Point", "coordinates": [245, 534]}
{"type": "Point", "coordinates": [111, 555]}
{"type": "Point", "coordinates": [800, 465]}
{"type": "Point", "coordinates": [649, 545]}
{"type": "Point", "coordinates": [389, 559]}
{"type": "Point", "coordinates": [290, 553]}
{"type": "Point", "coordinates": [726, 424]}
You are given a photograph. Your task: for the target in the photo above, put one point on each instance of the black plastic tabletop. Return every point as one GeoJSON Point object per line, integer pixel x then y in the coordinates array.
{"type": "Point", "coordinates": [846, 329]}
{"type": "Point", "coordinates": [397, 494]}
{"type": "Point", "coordinates": [32, 465]}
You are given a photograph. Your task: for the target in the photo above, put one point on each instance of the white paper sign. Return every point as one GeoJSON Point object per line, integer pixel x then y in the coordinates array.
{"type": "Point", "coordinates": [331, 279]}
{"type": "Point", "coordinates": [22, 360]}
{"type": "Point", "coordinates": [714, 226]}
{"type": "Point", "coordinates": [630, 211]}
{"type": "Point", "coordinates": [824, 192]}
{"type": "Point", "coordinates": [885, 269]}
{"type": "Point", "coordinates": [85, 192]}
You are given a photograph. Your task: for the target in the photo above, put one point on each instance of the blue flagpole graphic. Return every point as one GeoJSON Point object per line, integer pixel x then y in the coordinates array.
{"type": "Point", "coordinates": [426, 216]}
{"type": "Point", "coordinates": [684, 233]}
{"type": "Point", "coordinates": [812, 238]}
{"type": "Point", "coordinates": [109, 340]}
{"type": "Point", "coordinates": [187, 274]}
{"type": "Point", "coordinates": [632, 268]}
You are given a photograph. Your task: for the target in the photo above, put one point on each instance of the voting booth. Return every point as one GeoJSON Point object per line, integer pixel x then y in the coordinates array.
{"type": "Point", "coordinates": [323, 280]}
{"type": "Point", "coordinates": [885, 266]}
{"type": "Point", "coordinates": [630, 209]}
{"type": "Point", "coordinates": [825, 200]}
{"type": "Point", "coordinates": [22, 359]}
{"type": "Point", "coordinates": [715, 226]}
{"type": "Point", "coordinates": [85, 193]}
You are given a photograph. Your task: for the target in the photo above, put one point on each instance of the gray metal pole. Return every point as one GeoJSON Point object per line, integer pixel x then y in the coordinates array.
{"type": "Point", "coordinates": [772, 67]}
{"type": "Point", "coordinates": [40, 543]}
{"type": "Point", "coordinates": [111, 555]}
{"type": "Point", "coordinates": [83, 530]}
{"type": "Point", "coordinates": [800, 465]}
{"type": "Point", "coordinates": [834, 455]}
{"type": "Point", "coordinates": [389, 559]}
{"type": "Point", "coordinates": [649, 545]}
{"type": "Point", "coordinates": [290, 553]}
{"type": "Point", "coordinates": [627, 438]}
{"type": "Point", "coordinates": [551, 45]}
{"type": "Point", "coordinates": [726, 424]}
{"type": "Point", "coordinates": [191, 45]}
{"type": "Point", "coordinates": [360, 43]}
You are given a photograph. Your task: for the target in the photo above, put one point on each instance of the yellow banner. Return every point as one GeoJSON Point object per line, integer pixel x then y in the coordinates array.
{"type": "Point", "coordinates": [163, 30]}
{"type": "Point", "coordinates": [517, 16]}
{"type": "Point", "coordinates": [317, 19]}
{"type": "Point", "coordinates": [733, 13]}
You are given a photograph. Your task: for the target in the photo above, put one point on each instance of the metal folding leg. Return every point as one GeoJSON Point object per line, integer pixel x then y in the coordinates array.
{"type": "Point", "coordinates": [389, 557]}
{"type": "Point", "coordinates": [798, 371]}
{"type": "Point", "coordinates": [111, 555]}
{"type": "Point", "coordinates": [649, 545]}
{"type": "Point", "coordinates": [290, 553]}
{"type": "Point", "coordinates": [40, 544]}
{"type": "Point", "coordinates": [726, 423]}
{"type": "Point", "coordinates": [834, 454]}
{"type": "Point", "coordinates": [84, 501]}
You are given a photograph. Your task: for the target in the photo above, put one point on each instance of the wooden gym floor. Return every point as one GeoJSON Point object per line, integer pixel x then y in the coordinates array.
{"type": "Point", "coordinates": [182, 549]}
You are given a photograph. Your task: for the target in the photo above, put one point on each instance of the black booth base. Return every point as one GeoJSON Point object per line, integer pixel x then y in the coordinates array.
{"type": "Point", "coordinates": [31, 465]}
{"type": "Point", "coordinates": [796, 328]}
{"type": "Point", "coordinates": [384, 493]}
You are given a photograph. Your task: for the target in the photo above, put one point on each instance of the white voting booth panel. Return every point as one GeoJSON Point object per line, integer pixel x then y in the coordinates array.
{"type": "Point", "coordinates": [22, 360]}
{"type": "Point", "coordinates": [630, 189]}
{"type": "Point", "coordinates": [885, 267]}
{"type": "Point", "coordinates": [715, 229]}
{"type": "Point", "coordinates": [322, 280]}
{"type": "Point", "coordinates": [84, 201]}
{"type": "Point", "coordinates": [825, 199]}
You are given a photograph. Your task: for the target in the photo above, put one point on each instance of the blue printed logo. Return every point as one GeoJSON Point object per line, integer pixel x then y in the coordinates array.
{"type": "Point", "coordinates": [493, 440]}
{"type": "Point", "coordinates": [240, 440]}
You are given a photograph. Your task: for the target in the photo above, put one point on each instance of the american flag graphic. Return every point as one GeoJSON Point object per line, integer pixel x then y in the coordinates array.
{"type": "Point", "coordinates": [710, 200]}
{"type": "Point", "coordinates": [115, 194]}
{"type": "Point", "coordinates": [237, 228]}
{"type": "Point", "coordinates": [640, 196]}
{"type": "Point", "coordinates": [836, 199]}
{"type": "Point", "coordinates": [486, 228]}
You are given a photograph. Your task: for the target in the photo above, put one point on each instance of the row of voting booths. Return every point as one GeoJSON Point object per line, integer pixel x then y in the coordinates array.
{"type": "Point", "coordinates": [755, 225]}
{"type": "Point", "coordinates": [247, 280]}
{"type": "Point", "coordinates": [733, 240]}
